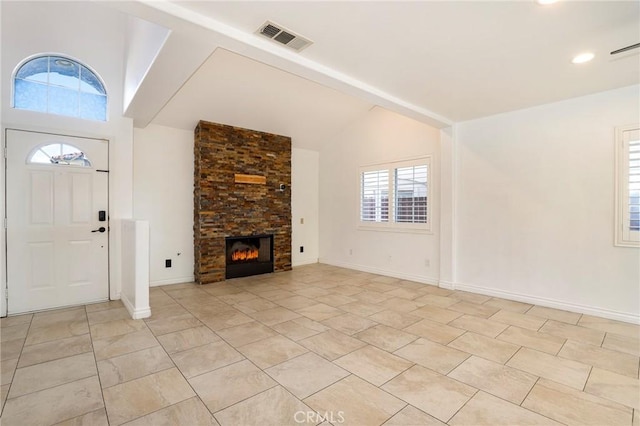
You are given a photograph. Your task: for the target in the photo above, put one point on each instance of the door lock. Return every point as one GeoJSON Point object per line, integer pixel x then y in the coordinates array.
{"type": "Point", "coordinates": [101, 229]}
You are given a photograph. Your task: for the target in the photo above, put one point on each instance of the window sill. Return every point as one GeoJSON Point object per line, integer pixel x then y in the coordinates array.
{"type": "Point", "coordinates": [628, 244]}
{"type": "Point", "coordinates": [397, 229]}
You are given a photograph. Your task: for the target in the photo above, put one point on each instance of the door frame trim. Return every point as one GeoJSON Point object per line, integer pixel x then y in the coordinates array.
{"type": "Point", "coordinates": [4, 281]}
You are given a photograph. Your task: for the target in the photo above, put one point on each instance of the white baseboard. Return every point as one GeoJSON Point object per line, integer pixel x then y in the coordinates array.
{"type": "Point", "coordinates": [519, 297]}
{"type": "Point", "coordinates": [447, 285]}
{"type": "Point", "coordinates": [136, 313]}
{"type": "Point", "coordinates": [180, 280]}
{"type": "Point", "coordinates": [547, 302]}
{"type": "Point", "coordinates": [303, 262]}
{"type": "Point", "coordinates": [389, 273]}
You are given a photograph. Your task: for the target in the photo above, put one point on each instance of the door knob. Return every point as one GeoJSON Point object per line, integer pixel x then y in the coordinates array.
{"type": "Point", "coordinates": [101, 229]}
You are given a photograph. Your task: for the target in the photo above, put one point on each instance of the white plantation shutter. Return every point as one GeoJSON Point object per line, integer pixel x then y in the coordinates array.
{"type": "Point", "coordinates": [634, 184]}
{"type": "Point", "coordinates": [411, 194]}
{"type": "Point", "coordinates": [628, 186]}
{"type": "Point", "coordinates": [374, 196]}
{"type": "Point", "coordinates": [395, 196]}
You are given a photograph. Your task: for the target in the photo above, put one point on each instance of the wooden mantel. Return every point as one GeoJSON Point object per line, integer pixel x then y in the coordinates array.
{"type": "Point", "coordinates": [252, 179]}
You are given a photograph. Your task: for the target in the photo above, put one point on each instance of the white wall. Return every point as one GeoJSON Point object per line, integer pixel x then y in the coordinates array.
{"type": "Point", "coordinates": [535, 206]}
{"type": "Point", "coordinates": [379, 136]}
{"type": "Point", "coordinates": [304, 206]}
{"type": "Point", "coordinates": [144, 41]}
{"type": "Point", "coordinates": [135, 266]}
{"type": "Point", "coordinates": [95, 36]}
{"type": "Point", "coordinates": [163, 195]}
{"type": "Point", "coordinates": [447, 269]}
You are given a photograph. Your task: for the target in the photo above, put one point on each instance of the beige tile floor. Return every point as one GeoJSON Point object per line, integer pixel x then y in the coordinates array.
{"type": "Point", "coordinates": [319, 345]}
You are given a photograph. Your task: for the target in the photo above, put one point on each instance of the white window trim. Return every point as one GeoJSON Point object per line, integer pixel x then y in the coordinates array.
{"type": "Point", "coordinates": [29, 159]}
{"type": "Point", "coordinates": [624, 237]}
{"type": "Point", "coordinates": [391, 226]}
{"type": "Point", "coordinates": [72, 59]}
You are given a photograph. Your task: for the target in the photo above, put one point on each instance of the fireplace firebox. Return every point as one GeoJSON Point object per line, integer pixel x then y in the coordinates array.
{"type": "Point", "coordinates": [248, 255]}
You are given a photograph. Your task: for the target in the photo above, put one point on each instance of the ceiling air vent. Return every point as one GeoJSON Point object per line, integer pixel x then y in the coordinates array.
{"type": "Point", "coordinates": [283, 36]}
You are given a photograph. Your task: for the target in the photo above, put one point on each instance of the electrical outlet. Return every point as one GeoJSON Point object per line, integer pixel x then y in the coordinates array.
{"type": "Point", "coordinates": [427, 263]}
{"type": "Point", "coordinates": [167, 263]}
{"type": "Point", "coordinates": [301, 249]}
{"type": "Point", "coordinates": [302, 221]}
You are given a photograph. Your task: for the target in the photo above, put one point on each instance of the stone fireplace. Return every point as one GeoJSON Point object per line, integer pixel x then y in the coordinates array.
{"type": "Point", "coordinates": [242, 189]}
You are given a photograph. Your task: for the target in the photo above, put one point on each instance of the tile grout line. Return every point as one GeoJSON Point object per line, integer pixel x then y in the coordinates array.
{"type": "Point", "coordinates": [529, 392]}
{"type": "Point", "coordinates": [463, 405]}
{"type": "Point", "coordinates": [65, 383]}
{"type": "Point", "coordinates": [93, 351]}
{"type": "Point", "coordinates": [531, 411]}
{"type": "Point", "coordinates": [24, 343]}
{"type": "Point", "coordinates": [587, 379]}
{"type": "Point", "coordinates": [276, 383]}
{"type": "Point", "coordinates": [150, 374]}
{"type": "Point", "coordinates": [281, 286]}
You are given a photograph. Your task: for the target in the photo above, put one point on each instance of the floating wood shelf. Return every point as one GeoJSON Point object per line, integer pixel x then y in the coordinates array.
{"type": "Point", "coordinates": [252, 179]}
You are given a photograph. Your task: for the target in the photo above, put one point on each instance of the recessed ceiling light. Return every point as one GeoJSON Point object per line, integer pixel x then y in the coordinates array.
{"type": "Point", "coordinates": [583, 57]}
{"type": "Point", "coordinates": [545, 2]}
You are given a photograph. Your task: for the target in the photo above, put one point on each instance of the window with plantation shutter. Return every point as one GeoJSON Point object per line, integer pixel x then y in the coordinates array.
{"type": "Point", "coordinates": [628, 186]}
{"type": "Point", "coordinates": [395, 196]}
{"type": "Point", "coordinates": [634, 185]}
{"type": "Point", "coordinates": [411, 194]}
{"type": "Point", "coordinates": [375, 196]}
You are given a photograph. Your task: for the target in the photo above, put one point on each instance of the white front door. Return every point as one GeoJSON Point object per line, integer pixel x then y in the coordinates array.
{"type": "Point", "coordinates": [57, 220]}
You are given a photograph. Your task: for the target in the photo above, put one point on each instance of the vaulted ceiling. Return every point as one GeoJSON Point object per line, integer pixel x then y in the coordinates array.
{"type": "Point", "coordinates": [461, 60]}
{"type": "Point", "coordinates": [437, 62]}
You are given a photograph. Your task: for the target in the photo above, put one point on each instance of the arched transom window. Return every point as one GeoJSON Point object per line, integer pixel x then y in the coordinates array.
{"type": "Point", "coordinates": [59, 85]}
{"type": "Point", "coordinates": [60, 154]}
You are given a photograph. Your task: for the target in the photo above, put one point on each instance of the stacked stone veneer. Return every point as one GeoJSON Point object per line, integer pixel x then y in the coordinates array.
{"type": "Point", "coordinates": [224, 208]}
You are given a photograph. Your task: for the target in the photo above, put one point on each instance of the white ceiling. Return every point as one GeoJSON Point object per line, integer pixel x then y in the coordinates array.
{"type": "Point", "coordinates": [238, 91]}
{"type": "Point", "coordinates": [439, 62]}
{"type": "Point", "coordinates": [461, 60]}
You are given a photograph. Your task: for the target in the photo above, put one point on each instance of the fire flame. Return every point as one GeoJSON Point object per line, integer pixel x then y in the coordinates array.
{"type": "Point", "coordinates": [247, 254]}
